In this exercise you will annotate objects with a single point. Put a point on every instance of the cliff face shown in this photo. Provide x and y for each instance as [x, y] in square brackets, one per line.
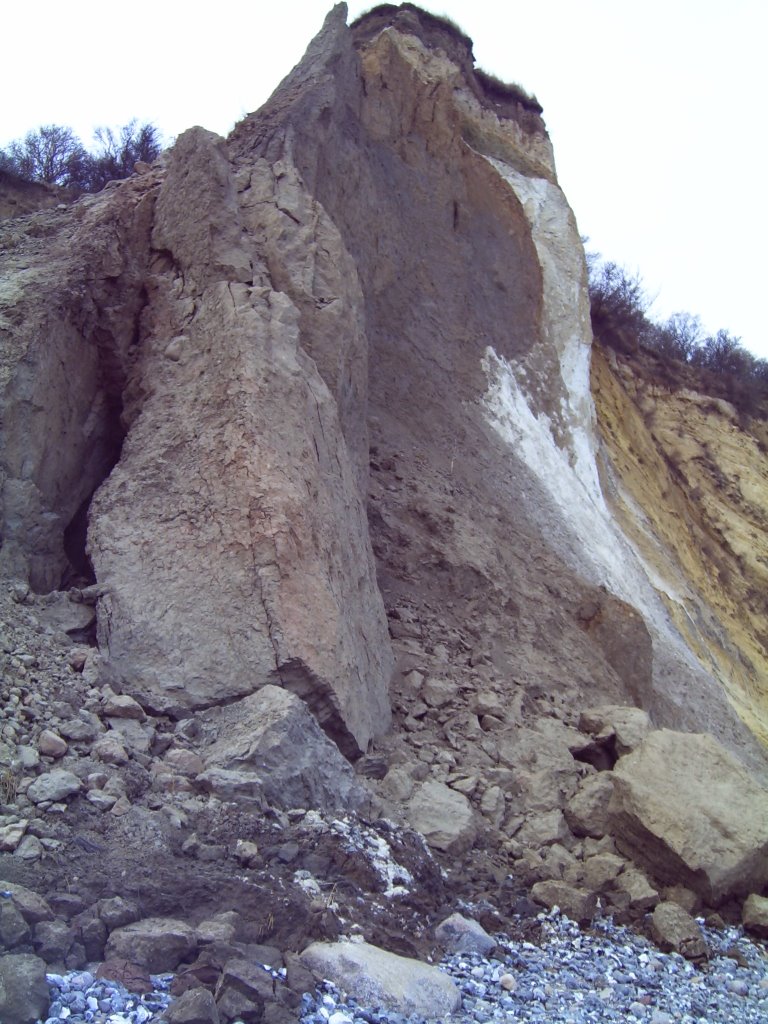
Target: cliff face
[687, 479]
[321, 395]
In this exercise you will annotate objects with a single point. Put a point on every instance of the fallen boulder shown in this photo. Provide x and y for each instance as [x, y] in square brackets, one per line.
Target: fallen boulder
[375, 977]
[23, 989]
[459, 934]
[272, 735]
[687, 811]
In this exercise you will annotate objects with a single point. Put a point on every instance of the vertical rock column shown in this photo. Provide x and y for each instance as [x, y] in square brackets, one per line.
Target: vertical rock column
[231, 537]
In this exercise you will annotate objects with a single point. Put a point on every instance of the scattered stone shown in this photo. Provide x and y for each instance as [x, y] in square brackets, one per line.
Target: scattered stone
[83, 729]
[599, 873]
[50, 744]
[247, 853]
[443, 816]
[11, 835]
[195, 1006]
[29, 757]
[575, 903]
[14, 930]
[221, 928]
[635, 886]
[673, 928]
[242, 991]
[121, 705]
[54, 786]
[755, 915]
[110, 749]
[117, 912]
[30, 848]
[52, 940]
[186, 762]
[459, 934]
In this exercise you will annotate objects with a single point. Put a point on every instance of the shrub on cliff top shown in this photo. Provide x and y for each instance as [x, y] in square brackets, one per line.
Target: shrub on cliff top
[621, 318]
[54, 154]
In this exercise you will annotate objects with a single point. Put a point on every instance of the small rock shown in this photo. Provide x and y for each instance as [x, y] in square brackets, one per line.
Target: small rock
[104, 801]
[30, 848]
[195, 1006]
[755, 915]
[575, 903]
[246, 853]
[83, 729]
[674, 929]
[121, 806]
[110, 750]
[14, 930]
[11, 835]
[459, 934]
[508, 983]
[54, 786]
[121, 705]
[117, 912]
[52, 940]
[186, 762]
[50, 744]
[29, 757]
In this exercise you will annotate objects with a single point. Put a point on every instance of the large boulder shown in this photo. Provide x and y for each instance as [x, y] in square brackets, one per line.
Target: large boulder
[157, 943]
[270, 736]
[686, 809]
[23, 989]
[375, 977]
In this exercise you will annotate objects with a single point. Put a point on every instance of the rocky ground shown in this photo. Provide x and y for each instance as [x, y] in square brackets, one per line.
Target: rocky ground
[122, 845]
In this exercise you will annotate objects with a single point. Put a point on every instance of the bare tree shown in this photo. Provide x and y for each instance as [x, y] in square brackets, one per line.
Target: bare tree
[47, 154]
[120, 150]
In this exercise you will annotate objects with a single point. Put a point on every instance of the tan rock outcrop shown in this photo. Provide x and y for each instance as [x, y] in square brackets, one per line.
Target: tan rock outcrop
[246, 507]
[683, 807]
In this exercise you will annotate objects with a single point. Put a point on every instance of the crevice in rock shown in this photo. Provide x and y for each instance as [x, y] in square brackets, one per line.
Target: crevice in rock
[600, 752]
[79, 572]
[295, 676]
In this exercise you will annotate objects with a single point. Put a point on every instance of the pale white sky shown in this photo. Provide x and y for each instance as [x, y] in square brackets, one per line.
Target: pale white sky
[656, 109]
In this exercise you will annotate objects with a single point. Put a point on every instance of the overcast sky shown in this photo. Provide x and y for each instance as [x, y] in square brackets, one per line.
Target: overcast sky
[656, 110]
